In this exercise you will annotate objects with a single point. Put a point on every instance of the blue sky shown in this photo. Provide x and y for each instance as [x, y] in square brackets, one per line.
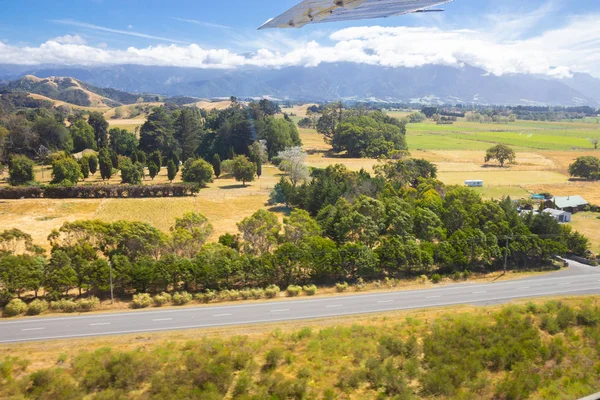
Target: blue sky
[209, 33]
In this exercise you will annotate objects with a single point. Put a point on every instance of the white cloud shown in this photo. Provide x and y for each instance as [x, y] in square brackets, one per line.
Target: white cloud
[70, 39]
[574, 46]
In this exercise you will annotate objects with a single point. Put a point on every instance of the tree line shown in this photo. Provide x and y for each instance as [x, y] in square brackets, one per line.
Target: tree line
[344, 226]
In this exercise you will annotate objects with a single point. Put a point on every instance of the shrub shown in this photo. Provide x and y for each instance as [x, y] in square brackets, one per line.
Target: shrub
[273, 358]
[457, 276]
[272, 291]
[423, 279]
[245, 294]
[182, 298]
[549, 324]
[15, 307]
[467, 274]
[162, 299]
[341, 287]
[141, 300]
[257, 293]
[37, 307]
[565, 317]
[436, 278]
[206, 297]
[390, 282]
[293, 290]
[310, 290]
[5, 297]
[89, 304]
[360, 285]
[229, 295]
[64, 305]
[588, 316]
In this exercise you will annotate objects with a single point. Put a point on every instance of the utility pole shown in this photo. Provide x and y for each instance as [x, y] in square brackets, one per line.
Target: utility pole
[112, 297]
[506, 255]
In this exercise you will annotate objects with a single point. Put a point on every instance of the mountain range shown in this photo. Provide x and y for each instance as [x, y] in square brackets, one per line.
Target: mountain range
[326, 82]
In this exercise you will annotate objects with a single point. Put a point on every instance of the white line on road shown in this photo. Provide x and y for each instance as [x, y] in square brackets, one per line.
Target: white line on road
[33, 329]
[386, 301]
[162, 319]
[100, 324]
[336, 305]
[480, 292]
[433, 297]
[521, 288]
[282, 310]
[222, 315]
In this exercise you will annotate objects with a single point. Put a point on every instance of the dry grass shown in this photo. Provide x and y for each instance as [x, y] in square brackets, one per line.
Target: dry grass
[588, 224]
[213, 105]
[46, 354]
[503, 177]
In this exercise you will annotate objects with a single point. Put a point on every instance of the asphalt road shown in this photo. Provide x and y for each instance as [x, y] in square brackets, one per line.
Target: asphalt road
[576, 280]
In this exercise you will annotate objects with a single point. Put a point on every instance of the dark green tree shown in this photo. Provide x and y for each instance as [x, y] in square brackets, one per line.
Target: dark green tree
[197, 171]
[100, 126]
[502, 153]
[83, 135]
[53, 134]
[171, 170]
[587, 167]
[216, 163]
[84, 166]
[65, 171]
[93, 163]
[20, 170]
[131, 173]
[152, 169]
[106, 166]
[258, 167]
[244, 170]
[156, 158]
[122, 142]
[188, 131]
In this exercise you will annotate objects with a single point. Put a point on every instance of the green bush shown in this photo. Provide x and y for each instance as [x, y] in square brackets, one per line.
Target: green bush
[272, 291]
[88, 304]
[341, 287]
[5, 297]
[64, 305]
[229, 295]
[245, 294]
[467, 274]
[549, 324]
[141, 300]
[436, 278]
[310, 290]
[206, 297]
[162, 299]
[293, 290]
[182, 298]
[273, 358]
[423, 279]
[565, 317]
[37, 307]
[15, 307]
[360, 285]
[588, 316]
[257, 293]
[457, 276]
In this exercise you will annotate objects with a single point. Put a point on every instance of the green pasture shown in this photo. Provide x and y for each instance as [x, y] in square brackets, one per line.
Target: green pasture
[537, 135]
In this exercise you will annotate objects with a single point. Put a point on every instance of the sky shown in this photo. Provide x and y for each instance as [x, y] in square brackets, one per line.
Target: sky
[546, 37]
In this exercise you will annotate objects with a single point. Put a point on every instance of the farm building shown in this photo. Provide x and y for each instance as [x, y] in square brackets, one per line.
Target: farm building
[561, 216]
[474, 183]
[570, 204]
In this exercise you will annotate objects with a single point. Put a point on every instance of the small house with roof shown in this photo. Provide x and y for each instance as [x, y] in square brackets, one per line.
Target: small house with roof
[571, 204]
[562, 217]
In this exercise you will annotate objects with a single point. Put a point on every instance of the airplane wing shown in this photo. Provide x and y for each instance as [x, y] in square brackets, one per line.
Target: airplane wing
[318, 11]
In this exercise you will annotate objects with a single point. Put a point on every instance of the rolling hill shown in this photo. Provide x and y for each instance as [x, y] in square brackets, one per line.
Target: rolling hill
[71, 91]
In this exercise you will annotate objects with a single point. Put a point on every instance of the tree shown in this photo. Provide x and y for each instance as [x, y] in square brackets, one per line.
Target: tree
[293, 162]
[65, 171]
[278, 133]
[587, 167]
[123, 142]
[20, 170]
[131, 173]
[83, 136]
[53, 134]
[258, 167]
[93, 163]
[595, 142]
[299, 227]
[190, 233]
[171, 170]
[502, 153]
[106, 166]
[260, 231]
[156, 158]
[197, 171]
[152, 169]
[216, 164]
[84, 166]
[244, 170]
[157, 133]
[100, 126]
[188, 131]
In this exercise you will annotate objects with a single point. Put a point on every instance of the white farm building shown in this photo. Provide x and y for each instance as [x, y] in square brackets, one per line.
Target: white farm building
[474, 183]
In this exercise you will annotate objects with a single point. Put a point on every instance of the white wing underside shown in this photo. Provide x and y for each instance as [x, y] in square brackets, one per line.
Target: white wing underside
[318, 11]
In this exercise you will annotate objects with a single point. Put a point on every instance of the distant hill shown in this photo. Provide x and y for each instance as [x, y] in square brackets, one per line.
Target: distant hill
[70, 90]
[326, 82]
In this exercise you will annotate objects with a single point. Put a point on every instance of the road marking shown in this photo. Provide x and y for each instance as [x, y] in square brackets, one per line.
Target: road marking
[433, 297]
[100, 324]
[336, 305]
[259, 321]
[386, 301]
[282, 310]
[222, 315]
[563, 284]
[520, 288]
[33, 329]
[162, 319]
[480, 292]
